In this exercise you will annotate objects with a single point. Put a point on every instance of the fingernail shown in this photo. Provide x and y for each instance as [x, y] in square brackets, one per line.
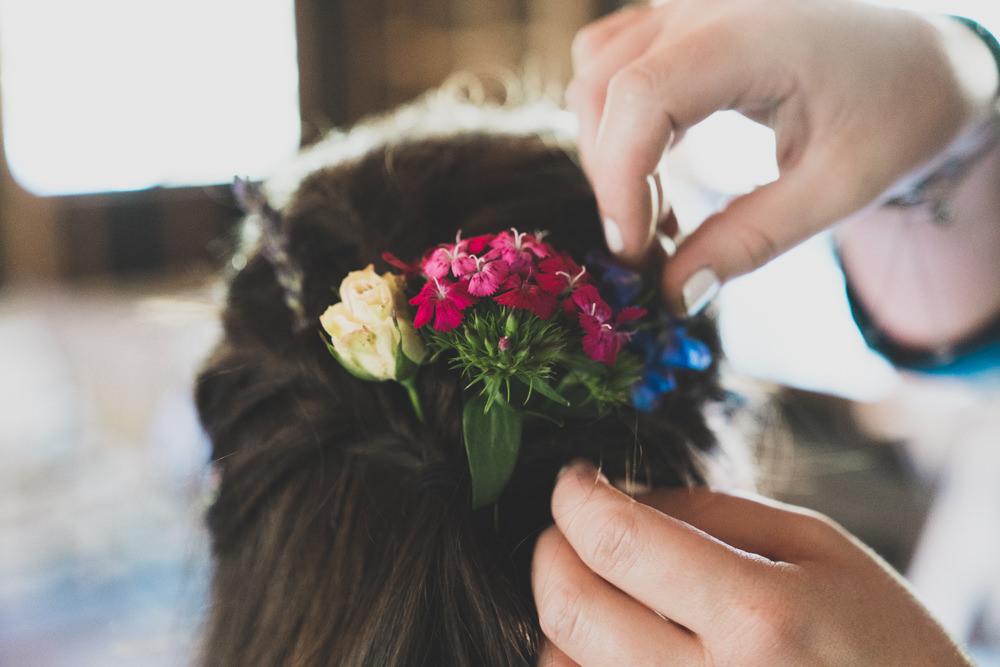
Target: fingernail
[613, 235]
[699, 290]
[668, 244]
[572, 465]
[583, 469]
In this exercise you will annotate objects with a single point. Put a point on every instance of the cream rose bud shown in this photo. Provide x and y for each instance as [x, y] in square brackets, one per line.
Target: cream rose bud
[366, 349]
[369, 297]
[371, 324]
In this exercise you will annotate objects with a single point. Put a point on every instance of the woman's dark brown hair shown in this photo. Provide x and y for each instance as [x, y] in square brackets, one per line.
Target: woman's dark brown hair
[342, 531]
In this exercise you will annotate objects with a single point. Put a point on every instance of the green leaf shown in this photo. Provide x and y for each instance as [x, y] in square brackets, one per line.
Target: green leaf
[581, 364]
[414, 396]
[546, 390]
[549, 418]
[510, 324]
[406, 368]
[492, 440]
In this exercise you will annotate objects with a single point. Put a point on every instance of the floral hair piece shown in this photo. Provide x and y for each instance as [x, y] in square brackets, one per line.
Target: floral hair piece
[535, 335]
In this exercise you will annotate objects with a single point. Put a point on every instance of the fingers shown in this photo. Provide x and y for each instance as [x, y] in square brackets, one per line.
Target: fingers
[759, 525]
[648, 102]
[595, 624]
[750, 232]
[592, 38]
[668, 565]
[586, 93]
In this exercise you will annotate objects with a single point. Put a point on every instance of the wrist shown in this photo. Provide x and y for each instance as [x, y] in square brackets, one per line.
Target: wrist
[969, 97]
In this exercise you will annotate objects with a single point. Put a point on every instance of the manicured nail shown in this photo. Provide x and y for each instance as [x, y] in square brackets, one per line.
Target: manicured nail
[699, 290]
[584, 469]
[572, 465]
[668, 244]
[613, 235]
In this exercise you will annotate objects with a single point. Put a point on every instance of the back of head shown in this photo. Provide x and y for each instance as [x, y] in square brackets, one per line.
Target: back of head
[342, 530]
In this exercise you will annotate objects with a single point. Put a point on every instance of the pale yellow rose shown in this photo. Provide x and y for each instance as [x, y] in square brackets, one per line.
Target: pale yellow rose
[368, 296]
[366, 349]
[371, 324]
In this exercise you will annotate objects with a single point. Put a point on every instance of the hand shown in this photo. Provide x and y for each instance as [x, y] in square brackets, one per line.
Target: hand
[858, 95]
[694, 577]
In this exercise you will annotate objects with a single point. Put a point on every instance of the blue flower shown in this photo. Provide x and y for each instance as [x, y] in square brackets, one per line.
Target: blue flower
[664, 351]
[619, 285]
[686, 352]
[664, 344]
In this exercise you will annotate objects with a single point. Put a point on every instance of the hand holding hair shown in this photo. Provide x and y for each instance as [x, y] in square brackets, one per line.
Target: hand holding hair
[696, 577]
[858, 95]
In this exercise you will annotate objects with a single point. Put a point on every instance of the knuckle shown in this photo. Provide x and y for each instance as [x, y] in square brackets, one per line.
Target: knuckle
[757, 245]
[560, 613]
[635, 82]
[590, 39]
[586, 43]
[820, 529]
[615, 543]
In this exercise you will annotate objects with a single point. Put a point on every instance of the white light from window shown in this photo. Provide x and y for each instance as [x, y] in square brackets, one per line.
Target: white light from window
[109, 95]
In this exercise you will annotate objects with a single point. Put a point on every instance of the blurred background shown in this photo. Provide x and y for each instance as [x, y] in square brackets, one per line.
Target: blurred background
[123, 121]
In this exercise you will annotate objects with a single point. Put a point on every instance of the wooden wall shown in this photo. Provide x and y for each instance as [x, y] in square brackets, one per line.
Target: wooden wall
[355, 58]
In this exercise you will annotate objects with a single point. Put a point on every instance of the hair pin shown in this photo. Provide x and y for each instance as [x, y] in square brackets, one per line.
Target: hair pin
[274, 245]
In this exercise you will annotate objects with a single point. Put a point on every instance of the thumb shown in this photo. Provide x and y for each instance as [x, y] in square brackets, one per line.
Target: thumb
[750, 232]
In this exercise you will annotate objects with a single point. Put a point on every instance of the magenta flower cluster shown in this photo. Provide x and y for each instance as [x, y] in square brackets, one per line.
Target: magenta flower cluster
[519, 271]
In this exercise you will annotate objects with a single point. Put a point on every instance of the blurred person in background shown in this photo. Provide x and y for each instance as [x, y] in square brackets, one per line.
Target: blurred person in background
[886, 122]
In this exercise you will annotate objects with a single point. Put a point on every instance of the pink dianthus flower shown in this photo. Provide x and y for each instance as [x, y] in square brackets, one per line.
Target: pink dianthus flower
[443, 301]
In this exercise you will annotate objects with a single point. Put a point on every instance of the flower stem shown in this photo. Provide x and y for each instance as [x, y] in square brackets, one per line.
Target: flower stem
[411, 391]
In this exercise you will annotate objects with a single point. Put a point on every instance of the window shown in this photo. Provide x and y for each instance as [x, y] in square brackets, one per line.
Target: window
[109, 95]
